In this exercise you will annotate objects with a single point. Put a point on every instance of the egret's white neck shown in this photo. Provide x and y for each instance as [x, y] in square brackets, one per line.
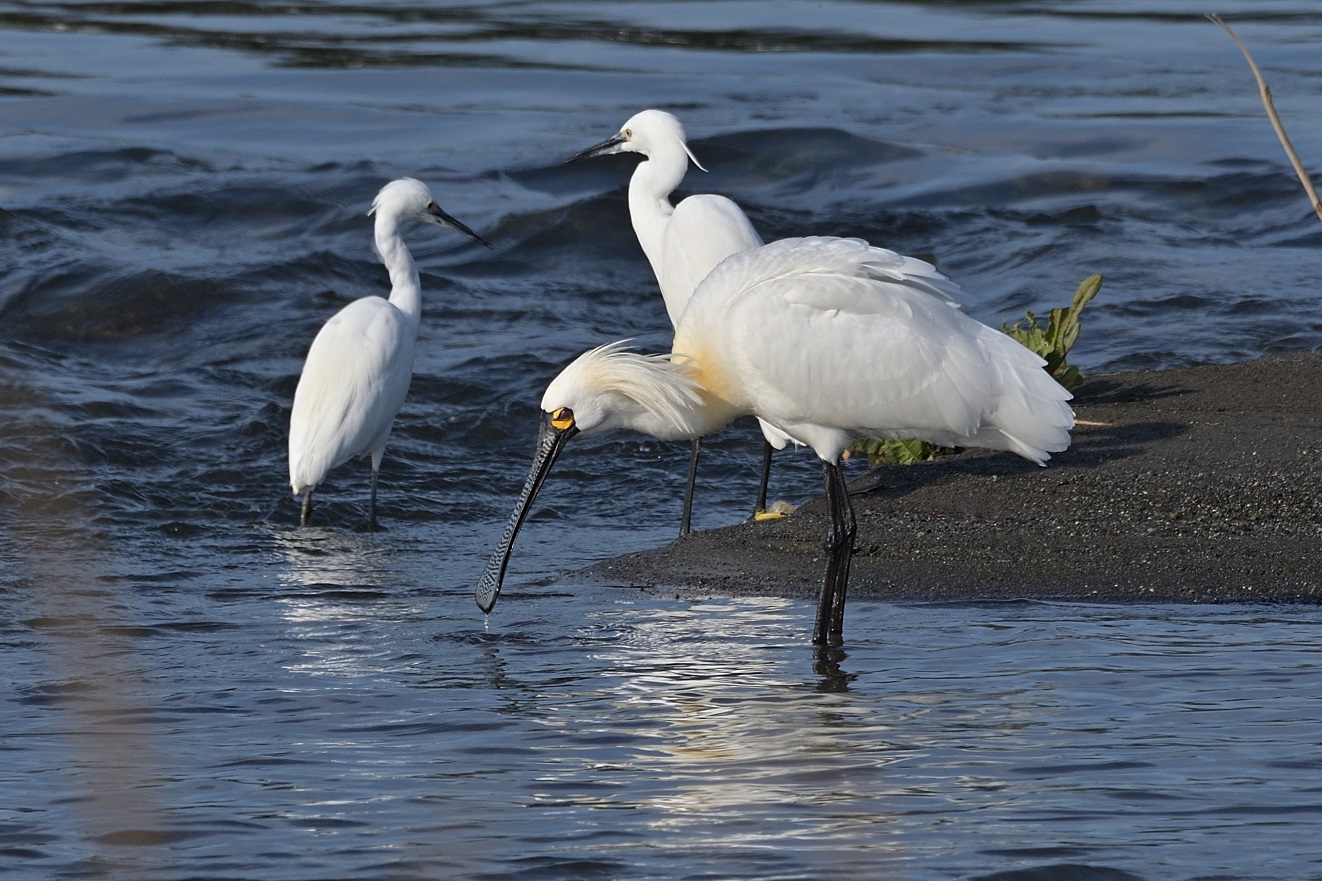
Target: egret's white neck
[405, 286]
[649, 199]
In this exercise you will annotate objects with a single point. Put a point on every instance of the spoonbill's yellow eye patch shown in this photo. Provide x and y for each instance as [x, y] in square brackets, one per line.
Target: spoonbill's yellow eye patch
[562, 418]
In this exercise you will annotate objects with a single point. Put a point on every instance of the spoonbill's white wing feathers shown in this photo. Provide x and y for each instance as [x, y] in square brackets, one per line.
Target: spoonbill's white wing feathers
[741, 274]
[868, 371]
[833, 339]
[702, 232]
[355, 380]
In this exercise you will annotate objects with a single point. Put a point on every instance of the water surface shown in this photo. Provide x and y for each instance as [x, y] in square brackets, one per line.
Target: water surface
[201, 689]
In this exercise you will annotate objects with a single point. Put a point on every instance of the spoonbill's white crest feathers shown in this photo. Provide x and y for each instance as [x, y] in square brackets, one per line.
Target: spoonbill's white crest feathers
[611, 387]
[826, 340]
[685, 242]
[358, 369]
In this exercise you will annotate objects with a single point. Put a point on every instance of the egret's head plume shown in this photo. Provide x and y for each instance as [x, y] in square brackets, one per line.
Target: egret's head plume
[653, 130]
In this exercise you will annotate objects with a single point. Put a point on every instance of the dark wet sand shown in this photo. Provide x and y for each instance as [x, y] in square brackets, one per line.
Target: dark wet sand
[1192, 485]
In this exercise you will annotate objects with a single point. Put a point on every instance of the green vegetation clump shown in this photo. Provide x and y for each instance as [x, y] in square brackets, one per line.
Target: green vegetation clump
[1051, 343]
[897, 452]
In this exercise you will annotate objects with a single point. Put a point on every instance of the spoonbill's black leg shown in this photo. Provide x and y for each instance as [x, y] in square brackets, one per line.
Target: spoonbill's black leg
[840, 550]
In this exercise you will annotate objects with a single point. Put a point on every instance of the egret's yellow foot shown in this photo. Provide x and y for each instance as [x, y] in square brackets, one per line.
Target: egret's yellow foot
[777, 510]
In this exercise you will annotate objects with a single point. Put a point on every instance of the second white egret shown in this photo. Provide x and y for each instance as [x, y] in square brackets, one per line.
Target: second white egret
[827, 340]
[359, 367]
[683, 242]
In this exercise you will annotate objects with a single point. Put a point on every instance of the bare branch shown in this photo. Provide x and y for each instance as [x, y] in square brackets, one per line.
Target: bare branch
[1266, 94]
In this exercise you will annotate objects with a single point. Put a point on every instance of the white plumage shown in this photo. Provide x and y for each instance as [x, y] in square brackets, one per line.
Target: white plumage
[358, 369]
[832, 339]
[683, 242]
[353, 384]
[826, 340]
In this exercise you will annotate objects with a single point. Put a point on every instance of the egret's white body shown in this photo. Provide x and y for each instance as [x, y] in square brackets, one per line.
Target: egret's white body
[826, 340]
[683, 242]
[358, 369]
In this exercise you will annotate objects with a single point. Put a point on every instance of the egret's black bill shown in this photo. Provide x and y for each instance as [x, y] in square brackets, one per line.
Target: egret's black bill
[550, 441]
[439, 216]
[606, 147]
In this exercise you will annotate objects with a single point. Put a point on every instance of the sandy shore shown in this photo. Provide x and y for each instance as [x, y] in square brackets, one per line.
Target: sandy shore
[1191, 485]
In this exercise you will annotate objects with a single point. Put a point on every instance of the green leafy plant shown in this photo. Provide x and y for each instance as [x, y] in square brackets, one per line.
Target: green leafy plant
[896, 452]
[1052, 343]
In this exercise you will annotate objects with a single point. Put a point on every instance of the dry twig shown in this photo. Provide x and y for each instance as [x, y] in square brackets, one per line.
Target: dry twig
[1266, 94]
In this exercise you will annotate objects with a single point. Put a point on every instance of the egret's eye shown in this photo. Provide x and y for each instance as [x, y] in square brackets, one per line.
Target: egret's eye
[431, 206]
[628, 133]
[562, 418]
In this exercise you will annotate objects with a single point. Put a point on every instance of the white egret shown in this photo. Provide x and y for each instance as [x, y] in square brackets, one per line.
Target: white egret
[683, 242]
[359, 366]
[827, 340]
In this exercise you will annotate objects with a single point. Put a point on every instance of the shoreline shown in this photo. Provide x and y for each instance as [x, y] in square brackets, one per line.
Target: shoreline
[1188, 485]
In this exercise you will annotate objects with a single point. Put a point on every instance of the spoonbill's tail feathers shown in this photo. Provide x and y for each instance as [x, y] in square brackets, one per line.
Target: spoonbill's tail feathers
[1031, 413]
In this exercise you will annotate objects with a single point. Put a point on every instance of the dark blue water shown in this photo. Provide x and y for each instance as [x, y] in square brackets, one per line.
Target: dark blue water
[199, 689]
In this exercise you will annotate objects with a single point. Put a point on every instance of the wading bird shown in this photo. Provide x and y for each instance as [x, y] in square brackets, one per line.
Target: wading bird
[827, 340]
[683, 243]
[359, 366]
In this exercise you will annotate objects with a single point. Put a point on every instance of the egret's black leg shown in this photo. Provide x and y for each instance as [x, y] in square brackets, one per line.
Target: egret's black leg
[767, 450]
[371, 505]
[306, 511]
[840, 550]
[685, 519]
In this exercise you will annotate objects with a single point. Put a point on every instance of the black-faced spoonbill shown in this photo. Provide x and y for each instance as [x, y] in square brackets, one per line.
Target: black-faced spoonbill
[827, 340]
[359, 366]
[683, 242]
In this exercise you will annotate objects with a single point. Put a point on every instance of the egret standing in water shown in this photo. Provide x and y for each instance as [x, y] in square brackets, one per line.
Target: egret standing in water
[683, 242]
[827, 340]
[359, 366]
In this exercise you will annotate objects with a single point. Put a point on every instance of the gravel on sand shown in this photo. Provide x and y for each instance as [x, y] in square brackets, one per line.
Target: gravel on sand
[1197, 484]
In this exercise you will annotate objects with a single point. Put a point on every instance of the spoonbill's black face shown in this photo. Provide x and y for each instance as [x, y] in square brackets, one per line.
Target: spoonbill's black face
[557, 428]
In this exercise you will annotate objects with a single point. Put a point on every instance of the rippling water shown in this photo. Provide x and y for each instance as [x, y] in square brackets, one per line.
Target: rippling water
[200, 689]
